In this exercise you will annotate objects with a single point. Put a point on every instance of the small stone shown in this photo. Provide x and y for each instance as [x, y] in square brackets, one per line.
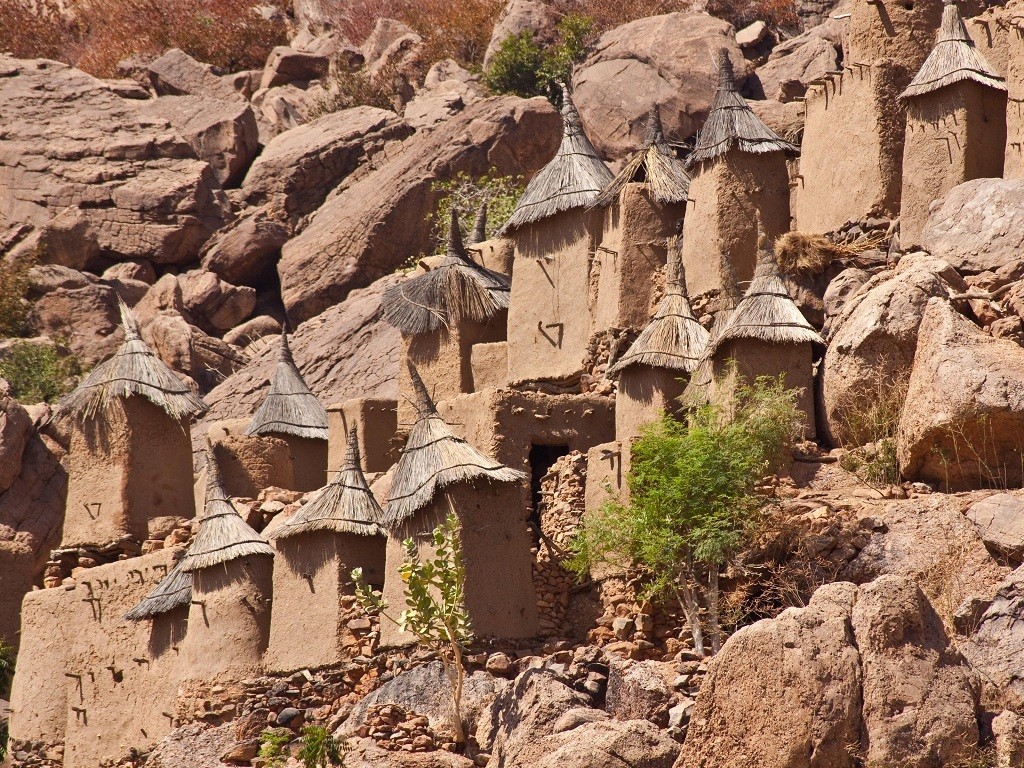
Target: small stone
[360, 625]
[288, 716]
[623, 628]
[499, 664]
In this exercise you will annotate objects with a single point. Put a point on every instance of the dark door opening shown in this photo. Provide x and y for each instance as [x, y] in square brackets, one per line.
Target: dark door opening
[541, 459]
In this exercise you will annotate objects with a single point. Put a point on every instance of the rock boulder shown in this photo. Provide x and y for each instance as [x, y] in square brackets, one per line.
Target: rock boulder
[86, 319]
[1000, 521]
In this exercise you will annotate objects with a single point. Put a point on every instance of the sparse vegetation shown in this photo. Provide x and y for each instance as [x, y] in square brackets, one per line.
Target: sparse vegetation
[274, 747]
[38, 373]
[14, 306]
[353, 89]
[319, 748]
[467, 194]
[871, 429]
[693, 499]
[435, 610]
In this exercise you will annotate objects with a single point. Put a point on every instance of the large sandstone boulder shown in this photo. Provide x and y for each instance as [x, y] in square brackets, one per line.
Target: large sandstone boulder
[875, 338]
[245, 252]
[1000, 521]
[215, 305]
[378, 222]
[15, 427]
[630, 744]
[70, 141]
[86, 319]
[796, 62]
[783, 693]
[520, 16]
[963, 422]
[666, 60]
[996, 644]
[300, 167]
[175, 73]
[978, 225]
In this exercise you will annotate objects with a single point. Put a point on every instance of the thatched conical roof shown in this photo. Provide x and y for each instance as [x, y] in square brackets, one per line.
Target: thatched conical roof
[435, 458]
[573, 178]
[132, 370]
[954, 58]
[655, 164]
[731, 123]
[346, 505]
[698, 387]
[673, 339]
[458, 288]
[173, 591]
[479, 233]
[289, 407]
[223, 535]
[766, 312]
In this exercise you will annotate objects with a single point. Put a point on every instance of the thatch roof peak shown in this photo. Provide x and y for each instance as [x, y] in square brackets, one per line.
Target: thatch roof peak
[132, 370]
[954, 58]
[289, 408]
[223, 535]
[479, 233]
[173, 591]
[673, 339]
[655, 164]
[433, 459]
[457, 289]
[345, 505]
[573, 178]
[731, 123]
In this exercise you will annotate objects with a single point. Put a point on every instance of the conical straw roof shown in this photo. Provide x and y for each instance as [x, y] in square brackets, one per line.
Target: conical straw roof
[458, 288]
[132, 370]
[289, 407]
[435, 458]
[346, 505]
[573, 178]
[731, 123]
[173, 591]
[655, 164]
[699, 387]
[673, 339]
[953, 59]
[223, 534]
[479, 233]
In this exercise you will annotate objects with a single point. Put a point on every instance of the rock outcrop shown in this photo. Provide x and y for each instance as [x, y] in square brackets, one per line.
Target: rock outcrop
[996, 642]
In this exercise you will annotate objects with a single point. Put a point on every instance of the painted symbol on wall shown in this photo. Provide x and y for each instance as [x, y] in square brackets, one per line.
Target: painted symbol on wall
[92, 508]
[556, 338]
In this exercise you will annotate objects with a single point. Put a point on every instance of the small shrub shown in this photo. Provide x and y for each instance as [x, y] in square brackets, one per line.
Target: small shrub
[319, 748]
[352, 89]
[467, 194]
[870, 429]
[37, 373]
[459, 30]
[14, 306]
[274, 746]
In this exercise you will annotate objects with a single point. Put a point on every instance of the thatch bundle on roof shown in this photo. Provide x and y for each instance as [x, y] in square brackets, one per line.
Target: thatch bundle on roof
[953, 59]
[654, 164]
[673, 339]
[132, 370]
[289, 408]
[433, 459]
[223, 535]
[479, 231]
[346, 505]
[456, 289]
[173, 591]
[731, 123]
[573, 178]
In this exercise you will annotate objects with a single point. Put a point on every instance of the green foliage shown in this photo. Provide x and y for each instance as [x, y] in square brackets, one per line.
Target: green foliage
[274, 746]
[435, 609]
[467, 194]
[693, 498]
[38, 372]
[6, 668]
[319, 748]
[14, 304]
[523, 67]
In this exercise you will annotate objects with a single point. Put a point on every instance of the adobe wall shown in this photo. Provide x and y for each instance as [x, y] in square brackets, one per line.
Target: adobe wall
[17, 564]
[128, 465]
[851, 156]
[94, 681]
[229, 620]
[548, 317]
[376, 422]
[720, 228]
[490, 365]
[309, 462]
[633, 249]
[643, 394]
[444, 360]
[607, 469]
[248, 463]
[902, 31]
[955, 134]
[499, 592]
[1013, 166]
[496, 254]
[313, 589]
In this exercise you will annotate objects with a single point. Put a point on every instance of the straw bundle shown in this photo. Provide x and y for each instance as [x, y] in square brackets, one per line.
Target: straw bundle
[731, 123]
[673, 339]
[457, 289]
[173, 591]
[953, 59]
[223, 534]
[573, 178]
[289, 407]
[346, 505]
[435, 458]
[132, 370]
[807, 254]
[656, 165]
[479, 233]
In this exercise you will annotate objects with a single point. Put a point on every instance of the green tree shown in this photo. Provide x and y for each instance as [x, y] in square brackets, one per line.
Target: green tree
[37, 372]
[319, 748]
[693, 499]
[274, 746]
[467, 194]
[435, 611]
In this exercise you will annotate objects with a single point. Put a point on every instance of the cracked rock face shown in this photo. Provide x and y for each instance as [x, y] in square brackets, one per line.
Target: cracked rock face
[71, 143]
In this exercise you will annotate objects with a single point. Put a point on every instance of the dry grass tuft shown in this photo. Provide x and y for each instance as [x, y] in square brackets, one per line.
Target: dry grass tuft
[806, 254]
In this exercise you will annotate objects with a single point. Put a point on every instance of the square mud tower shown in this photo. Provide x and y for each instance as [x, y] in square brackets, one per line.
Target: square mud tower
[376, 423]
[131, 455]
[739, 174]
[852, 150]
[1013, 166]
[248, 463]
[956, 124]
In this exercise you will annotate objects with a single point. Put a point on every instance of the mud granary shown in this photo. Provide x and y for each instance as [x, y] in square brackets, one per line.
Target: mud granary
[568, 330]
